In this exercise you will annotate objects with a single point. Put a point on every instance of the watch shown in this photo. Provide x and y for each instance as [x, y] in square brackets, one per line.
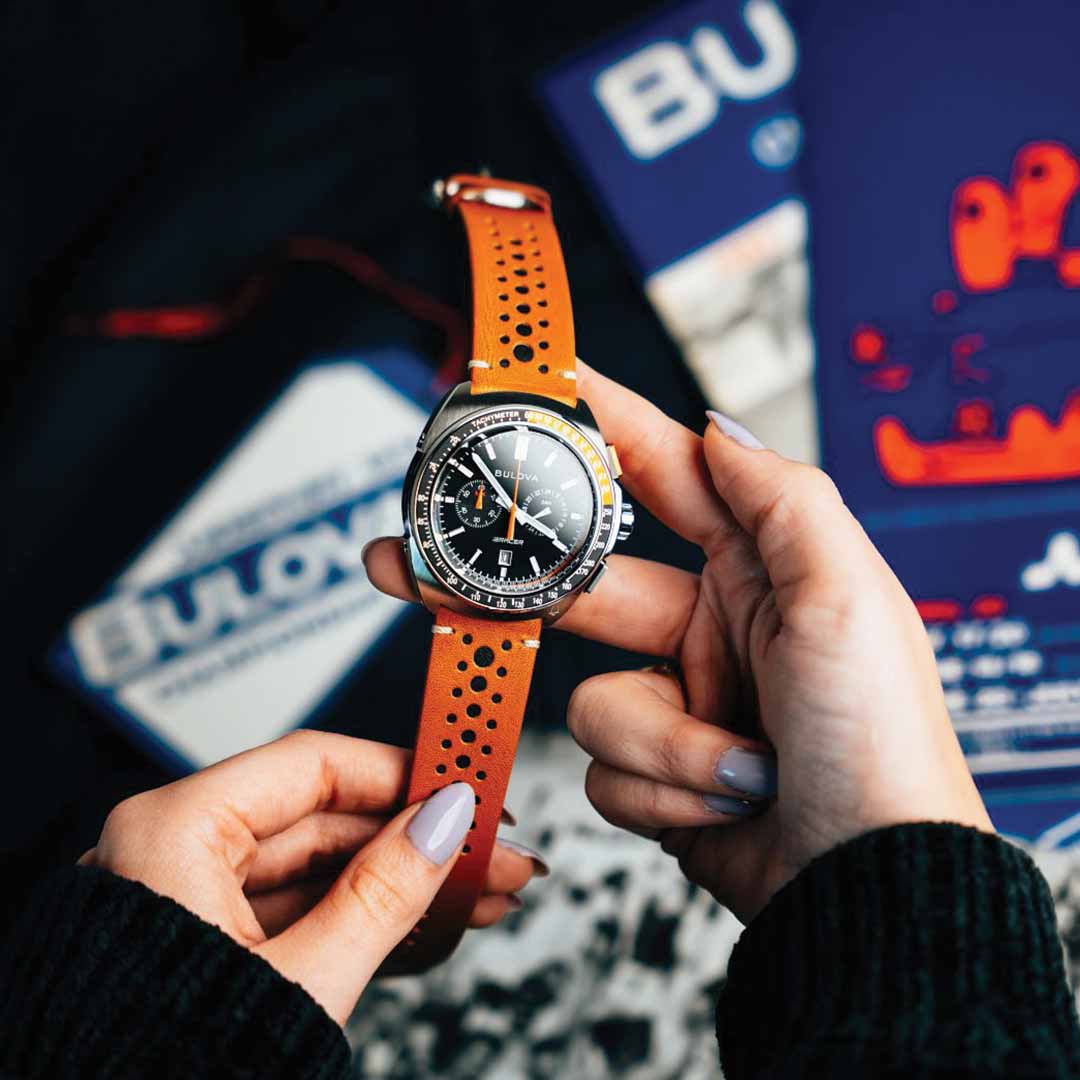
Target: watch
[511, 505]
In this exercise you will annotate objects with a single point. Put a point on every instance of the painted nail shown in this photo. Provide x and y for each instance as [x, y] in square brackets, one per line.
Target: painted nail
[725, 804]
[442, 822]
[542, 868]
[506, 817]
[748, 772]
[515, 902]
[735, 430]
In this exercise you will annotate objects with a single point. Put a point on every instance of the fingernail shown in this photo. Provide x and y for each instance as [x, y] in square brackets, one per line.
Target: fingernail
[515, 901]
[735, 430]
[747, 771]
[542, 868]
[442, 822]
[726, 804]
[507, 818]
[367, 547]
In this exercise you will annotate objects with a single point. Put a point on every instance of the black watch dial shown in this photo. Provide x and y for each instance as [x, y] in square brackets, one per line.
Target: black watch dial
[511, 509]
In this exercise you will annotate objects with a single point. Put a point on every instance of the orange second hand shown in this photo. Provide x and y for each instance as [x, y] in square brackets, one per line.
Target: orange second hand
[513, 505]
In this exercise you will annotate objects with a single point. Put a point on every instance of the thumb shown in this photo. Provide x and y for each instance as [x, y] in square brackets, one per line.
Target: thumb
[334, 950]
[799, 523]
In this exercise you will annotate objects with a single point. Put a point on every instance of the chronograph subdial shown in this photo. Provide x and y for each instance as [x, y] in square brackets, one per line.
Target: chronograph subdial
[549, 506]
[476, 505]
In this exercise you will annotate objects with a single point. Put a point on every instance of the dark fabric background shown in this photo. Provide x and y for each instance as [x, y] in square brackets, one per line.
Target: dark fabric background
[156, 154]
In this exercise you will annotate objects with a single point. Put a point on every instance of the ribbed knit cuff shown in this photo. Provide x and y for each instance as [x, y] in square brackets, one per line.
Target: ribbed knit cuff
[104, 977]
[912, 951]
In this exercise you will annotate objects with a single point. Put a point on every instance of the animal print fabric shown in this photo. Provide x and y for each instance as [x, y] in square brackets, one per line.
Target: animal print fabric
[611, 969]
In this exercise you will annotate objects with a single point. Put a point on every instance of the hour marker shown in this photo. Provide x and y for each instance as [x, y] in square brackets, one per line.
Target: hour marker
[534, 564]
[448, 498]
[456, 532]
[506, 556]
[542, 513]
[503, 571]
[550, 458]
[461, 469]
[575, 517]
[488, 449]
[558, 543]
[568, 483]
[521, 448]
[475, 556]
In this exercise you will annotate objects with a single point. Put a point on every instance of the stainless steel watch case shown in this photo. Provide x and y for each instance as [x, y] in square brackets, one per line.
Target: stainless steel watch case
[455, 410]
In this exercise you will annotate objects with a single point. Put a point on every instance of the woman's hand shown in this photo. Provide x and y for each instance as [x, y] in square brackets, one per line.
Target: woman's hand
[796, 634]
[292, 851]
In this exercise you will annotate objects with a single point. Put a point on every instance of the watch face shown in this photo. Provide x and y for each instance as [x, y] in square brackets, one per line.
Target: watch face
[513, 514]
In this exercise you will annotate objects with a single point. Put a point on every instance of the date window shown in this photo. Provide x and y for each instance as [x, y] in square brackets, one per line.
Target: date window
[505, 555]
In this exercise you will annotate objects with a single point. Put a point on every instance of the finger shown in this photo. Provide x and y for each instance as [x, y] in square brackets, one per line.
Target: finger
[87, 858]
[646, 806]
[278, 909]
[380, 896]
[800, 525]
[512, 867]
[270, 788]
[631, 721]
[321, 844]
[490, 909]
[613, 615]
[388, 568]
[510, 871]
[738, 866]
[315, 846]
[663, 462]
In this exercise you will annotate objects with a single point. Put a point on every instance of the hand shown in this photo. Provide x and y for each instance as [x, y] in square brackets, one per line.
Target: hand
[796, 631]
[292, 851]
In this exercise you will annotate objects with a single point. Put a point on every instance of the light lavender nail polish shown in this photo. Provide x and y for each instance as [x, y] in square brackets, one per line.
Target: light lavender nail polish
[748, 772]
[726, 804]
[442, 822]
[735, 430]
[542, 868]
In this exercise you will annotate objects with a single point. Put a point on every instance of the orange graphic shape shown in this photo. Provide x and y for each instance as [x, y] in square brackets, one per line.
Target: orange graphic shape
[990, 228]
[981, 227]
[1068, 268]
[1032, 450]
[1045, 177]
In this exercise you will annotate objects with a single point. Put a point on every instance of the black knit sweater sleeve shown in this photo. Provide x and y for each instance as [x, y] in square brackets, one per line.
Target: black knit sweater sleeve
[103, 977]
[921, 951]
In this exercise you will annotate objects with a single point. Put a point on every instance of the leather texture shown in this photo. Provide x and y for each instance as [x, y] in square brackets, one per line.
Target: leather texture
[474, 702]
[523, 322]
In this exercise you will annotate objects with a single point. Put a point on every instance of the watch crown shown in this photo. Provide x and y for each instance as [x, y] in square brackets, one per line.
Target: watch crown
[626, 522]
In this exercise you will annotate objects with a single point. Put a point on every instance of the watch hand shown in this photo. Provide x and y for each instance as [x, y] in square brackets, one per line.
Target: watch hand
[513, 505]
[543, 530]
[543, 513]
[505, 499]
[479, 498]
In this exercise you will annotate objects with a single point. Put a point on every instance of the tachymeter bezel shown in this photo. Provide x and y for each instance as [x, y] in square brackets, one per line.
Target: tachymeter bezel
[583, 565]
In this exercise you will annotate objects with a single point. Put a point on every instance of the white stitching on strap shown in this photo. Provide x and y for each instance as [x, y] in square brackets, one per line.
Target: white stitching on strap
[437, 629]
[531, 643]
[569, 375]
[479, 363]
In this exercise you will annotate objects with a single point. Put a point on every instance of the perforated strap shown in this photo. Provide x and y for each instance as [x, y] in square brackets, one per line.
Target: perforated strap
[523, 322]
[477, 686]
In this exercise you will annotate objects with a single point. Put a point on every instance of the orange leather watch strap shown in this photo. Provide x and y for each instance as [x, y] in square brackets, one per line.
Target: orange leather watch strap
[474, 702]
[523, 322]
